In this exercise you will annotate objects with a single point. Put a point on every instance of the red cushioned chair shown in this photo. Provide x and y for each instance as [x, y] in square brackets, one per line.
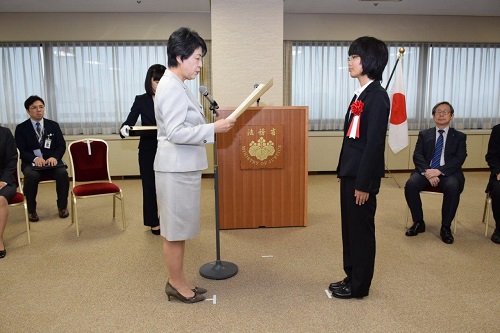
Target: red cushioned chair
[19, 198]
[91, 178]
[433, 191]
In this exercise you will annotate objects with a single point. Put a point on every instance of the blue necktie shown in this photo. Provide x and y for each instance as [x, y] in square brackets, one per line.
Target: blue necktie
[436, 160]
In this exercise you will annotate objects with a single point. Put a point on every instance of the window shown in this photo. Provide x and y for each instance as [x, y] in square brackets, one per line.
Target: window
[88, 87]
[465, 75]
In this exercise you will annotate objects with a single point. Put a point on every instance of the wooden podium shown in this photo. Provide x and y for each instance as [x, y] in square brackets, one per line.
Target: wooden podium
[262, 168]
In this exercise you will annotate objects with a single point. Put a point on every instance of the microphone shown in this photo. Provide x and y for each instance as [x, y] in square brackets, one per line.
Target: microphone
[255, 86]
[204, 92]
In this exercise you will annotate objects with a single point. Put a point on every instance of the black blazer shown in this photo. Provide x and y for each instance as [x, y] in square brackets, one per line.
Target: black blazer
[143, 106]
[27, 141]
[363, 158]
[8, 156]
[455, 152]
[493, 155]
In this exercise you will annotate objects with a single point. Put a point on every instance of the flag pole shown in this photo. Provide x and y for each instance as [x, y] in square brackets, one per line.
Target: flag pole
[400, 54]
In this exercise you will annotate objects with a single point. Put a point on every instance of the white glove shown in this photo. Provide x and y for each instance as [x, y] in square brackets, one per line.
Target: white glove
[124, 130]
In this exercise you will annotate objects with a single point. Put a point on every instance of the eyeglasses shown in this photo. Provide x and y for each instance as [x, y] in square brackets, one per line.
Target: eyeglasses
[443, 112]
[36, 107]
[352, 57]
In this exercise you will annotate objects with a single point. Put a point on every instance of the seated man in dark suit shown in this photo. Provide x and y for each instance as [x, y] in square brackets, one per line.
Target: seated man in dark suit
[493, 159]
[439, 154]
[41, 145]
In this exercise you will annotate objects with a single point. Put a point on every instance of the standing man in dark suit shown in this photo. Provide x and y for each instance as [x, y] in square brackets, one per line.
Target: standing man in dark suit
[493, 160]
[41, 144]
[361, 166]
[439, 154]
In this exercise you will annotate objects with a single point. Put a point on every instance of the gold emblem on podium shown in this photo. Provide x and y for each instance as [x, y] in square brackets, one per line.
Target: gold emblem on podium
[261, 147]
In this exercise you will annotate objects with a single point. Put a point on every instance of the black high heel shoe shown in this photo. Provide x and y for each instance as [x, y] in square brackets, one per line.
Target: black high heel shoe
[3, 253]
[155, 232]
[172, 292]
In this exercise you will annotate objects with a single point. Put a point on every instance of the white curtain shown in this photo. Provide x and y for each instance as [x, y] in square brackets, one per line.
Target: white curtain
[467, 76]
[22, 71]
[321, 81]
[88, 87]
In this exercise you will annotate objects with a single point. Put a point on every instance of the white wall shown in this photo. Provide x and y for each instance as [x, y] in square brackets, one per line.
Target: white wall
[158, 26]
[247, 48]
[411, 28]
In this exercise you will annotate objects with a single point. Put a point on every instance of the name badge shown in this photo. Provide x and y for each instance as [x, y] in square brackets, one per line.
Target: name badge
[47, 143]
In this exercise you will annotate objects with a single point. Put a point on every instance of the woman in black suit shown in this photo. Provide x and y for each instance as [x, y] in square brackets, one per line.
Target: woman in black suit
[8, 165]
[361, 165]
[144, 106]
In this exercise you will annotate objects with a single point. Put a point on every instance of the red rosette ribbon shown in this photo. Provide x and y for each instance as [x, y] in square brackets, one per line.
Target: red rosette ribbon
[356, 110]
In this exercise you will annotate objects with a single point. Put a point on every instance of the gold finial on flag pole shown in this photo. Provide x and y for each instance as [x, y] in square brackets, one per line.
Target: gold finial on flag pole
[401, 52]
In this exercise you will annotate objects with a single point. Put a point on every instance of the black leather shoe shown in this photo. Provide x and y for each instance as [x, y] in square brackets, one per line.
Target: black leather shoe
[415, 229]
[63, 213]
[495, 238]
[33, 217]
[338, 285]
[345, 293]
[446, 235]
[155, 231]
[3, 253]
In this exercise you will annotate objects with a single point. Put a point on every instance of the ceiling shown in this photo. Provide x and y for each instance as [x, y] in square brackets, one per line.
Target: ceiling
[404, 7]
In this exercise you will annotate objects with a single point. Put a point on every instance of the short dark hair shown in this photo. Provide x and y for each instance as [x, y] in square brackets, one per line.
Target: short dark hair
[183, 42]
[32, 99]
[155, 72]
[374, 56]
[441, 103]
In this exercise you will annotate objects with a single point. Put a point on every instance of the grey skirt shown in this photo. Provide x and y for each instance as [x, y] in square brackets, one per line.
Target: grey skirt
[178, 195]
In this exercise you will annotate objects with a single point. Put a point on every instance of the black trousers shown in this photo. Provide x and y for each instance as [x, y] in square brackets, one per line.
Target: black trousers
[495, 201]
[451, 190]
[149, 204]
[358, 237]
[33, 177]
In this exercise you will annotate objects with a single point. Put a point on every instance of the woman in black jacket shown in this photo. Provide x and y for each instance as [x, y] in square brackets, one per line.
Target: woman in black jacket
[8, 165]
[144, 106]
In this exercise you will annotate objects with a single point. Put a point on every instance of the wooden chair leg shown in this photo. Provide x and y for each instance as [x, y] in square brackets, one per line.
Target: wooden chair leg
[27, 222]
[123, 210]
[487, 208]
[407, 214]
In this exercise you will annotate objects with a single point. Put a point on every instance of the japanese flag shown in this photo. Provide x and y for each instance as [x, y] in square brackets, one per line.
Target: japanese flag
[398, 124]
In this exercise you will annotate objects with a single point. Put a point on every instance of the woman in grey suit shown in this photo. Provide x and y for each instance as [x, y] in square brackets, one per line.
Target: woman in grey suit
[181, 156]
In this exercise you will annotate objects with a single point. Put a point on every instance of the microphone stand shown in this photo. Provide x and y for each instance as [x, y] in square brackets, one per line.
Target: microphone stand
[217, 270]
